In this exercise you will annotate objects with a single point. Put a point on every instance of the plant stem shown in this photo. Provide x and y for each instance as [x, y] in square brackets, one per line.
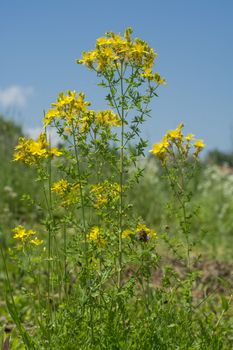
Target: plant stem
[65, 259]
[121, 183]
[81, 193]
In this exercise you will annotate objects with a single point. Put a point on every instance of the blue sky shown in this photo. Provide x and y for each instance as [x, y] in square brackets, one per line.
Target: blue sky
[40, 41]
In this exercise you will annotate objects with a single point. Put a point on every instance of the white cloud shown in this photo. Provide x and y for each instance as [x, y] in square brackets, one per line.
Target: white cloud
[15, 96]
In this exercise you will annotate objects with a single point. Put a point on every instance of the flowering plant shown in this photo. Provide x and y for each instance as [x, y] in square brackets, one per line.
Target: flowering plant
[96, 258]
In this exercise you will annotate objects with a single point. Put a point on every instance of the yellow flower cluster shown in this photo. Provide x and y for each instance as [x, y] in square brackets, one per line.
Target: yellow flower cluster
[107, 118]
[163, 150]
[96, 235]
[127, 233]
[23, 235]
[113, 50]
[60, 187]
[30, 151]
[142, 232]
[69, 193]
[73, 110]
[105, 193]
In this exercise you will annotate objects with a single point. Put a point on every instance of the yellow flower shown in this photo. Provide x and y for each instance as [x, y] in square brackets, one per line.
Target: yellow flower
[36, 150]
[127, 233]
[69, 193]
[105, 193]
[158, 79]
[55, 152]
[89, 58]
[31, 152]
[22, 234]
[68, 130]
[161, 149]
[95, 235]
[70, 108]
[199, 144]
[189, 137]
[139, 47]
[148, 73]
[50, 116]
[176, 134]
[142, 54]
[36, 241]
[113, 50]
[174, 141]
[107, 118]
[60, 187]
[85, 121]
[102, 41]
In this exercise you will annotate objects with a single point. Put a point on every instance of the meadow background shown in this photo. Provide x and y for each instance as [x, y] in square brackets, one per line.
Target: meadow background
[40, 43]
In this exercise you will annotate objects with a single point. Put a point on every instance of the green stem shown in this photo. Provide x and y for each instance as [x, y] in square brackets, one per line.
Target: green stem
[81, 192]
[183, 205]
[48, 256]
[179, 196]
[119, 279]
[143, 112]
[65, 259]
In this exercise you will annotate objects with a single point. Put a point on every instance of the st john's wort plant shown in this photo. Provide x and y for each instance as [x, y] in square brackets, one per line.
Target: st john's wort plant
[88, 266]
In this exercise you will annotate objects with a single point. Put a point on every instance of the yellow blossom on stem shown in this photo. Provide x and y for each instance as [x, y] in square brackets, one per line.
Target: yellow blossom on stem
[113, 50]
[173, 141]
[127, 233]
[71, 108]
[107, 118]
[60, 187]
[55, 152]
[23, 235]
[68, 192]
[50, 115]
[160, 149]
[148, 73]
[96, 235]
[105, 193]
[88, 59]
[189, 137]
[158, 79]
[36, 241]
[31, 152]
[176, 134]
[199, 144]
